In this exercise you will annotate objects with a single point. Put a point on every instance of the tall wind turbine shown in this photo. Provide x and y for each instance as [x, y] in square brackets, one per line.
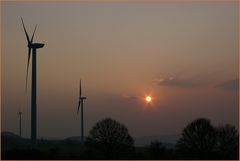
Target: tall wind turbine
[80, 104]
[33, 47]
[20, 123]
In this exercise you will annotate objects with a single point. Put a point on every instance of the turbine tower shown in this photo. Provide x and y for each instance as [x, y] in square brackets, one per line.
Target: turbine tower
[80, 103]
[33, 47]
[20, 123]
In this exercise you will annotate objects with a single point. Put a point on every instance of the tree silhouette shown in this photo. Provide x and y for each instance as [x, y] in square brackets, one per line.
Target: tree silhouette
[111, 138]
[227, 142]
[198, 140]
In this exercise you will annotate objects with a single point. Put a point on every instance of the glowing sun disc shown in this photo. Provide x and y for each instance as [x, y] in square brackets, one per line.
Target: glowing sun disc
[148, 99]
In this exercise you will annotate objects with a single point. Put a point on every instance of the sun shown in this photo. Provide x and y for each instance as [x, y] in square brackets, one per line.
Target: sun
[148, 99]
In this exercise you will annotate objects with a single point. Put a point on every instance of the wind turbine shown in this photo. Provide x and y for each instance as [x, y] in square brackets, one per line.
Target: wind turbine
[80, 103]
[33, 47]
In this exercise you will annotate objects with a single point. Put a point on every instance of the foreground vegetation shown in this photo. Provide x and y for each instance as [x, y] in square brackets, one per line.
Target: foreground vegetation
[109, 139]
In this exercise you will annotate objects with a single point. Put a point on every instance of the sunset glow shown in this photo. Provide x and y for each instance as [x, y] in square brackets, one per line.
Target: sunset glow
[153, 67]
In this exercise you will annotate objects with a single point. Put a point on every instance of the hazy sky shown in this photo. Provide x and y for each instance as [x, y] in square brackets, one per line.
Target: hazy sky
[185, 55]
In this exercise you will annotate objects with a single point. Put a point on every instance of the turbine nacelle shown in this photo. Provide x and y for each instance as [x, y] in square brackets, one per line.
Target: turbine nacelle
[36, 45]
[83, 98]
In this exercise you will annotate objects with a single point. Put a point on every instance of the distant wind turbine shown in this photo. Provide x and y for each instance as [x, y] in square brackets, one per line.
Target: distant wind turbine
[33, 47]
[80, 103]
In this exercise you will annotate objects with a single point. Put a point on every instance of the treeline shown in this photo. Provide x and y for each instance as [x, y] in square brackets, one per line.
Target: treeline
[109, 139]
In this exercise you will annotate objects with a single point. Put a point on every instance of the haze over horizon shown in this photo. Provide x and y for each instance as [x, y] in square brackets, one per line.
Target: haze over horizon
[185, 55]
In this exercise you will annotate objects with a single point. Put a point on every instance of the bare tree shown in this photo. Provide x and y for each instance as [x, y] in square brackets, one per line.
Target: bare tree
[111, 138]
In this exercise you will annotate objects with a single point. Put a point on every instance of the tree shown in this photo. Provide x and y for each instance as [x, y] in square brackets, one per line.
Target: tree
[111, 138]
[198, 140]
[227, 142]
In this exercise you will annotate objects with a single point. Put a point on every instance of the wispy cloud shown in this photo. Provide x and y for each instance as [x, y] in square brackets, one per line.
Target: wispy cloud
[229, 85]
[171, 81]
[130, 97]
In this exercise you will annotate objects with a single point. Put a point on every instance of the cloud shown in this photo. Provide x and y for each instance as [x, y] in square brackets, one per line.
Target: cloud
[171, 81]
[130, 97]
[229, 85]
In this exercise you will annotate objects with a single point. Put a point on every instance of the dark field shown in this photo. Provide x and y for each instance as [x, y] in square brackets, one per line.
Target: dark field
[19, 148]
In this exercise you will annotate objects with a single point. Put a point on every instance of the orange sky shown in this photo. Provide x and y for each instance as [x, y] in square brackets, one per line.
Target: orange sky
[184, 54]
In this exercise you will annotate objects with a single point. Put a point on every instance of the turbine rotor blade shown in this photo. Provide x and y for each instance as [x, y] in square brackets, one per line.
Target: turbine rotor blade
[25, 31]
[80, 89]
[29, 55]
[33, 34]
[79, 103]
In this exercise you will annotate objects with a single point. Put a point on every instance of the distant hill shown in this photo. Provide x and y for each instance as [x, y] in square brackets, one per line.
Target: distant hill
[74, 138]
[168, 141]
[11, 140]
[6, 133]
